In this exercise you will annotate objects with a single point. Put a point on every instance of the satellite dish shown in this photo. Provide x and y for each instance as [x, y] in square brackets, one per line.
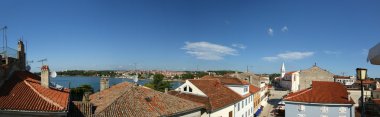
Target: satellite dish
[28, 67]
[135, 78]
[53, 74]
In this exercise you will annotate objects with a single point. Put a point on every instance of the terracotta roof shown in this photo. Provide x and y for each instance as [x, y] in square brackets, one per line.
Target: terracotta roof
[228, 80]
[321, 92]
[376, 101]
[253, 89]
[23, 92]
[218, 95]
[341, 77]
[366, 81]
[289, 73]
[124, 99]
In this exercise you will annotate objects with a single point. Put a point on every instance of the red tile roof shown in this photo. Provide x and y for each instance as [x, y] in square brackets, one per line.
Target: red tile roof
[218, 95]
[253, 89]
[321, 92]
[366, 81]
[290, 73]
[228, 80]
[125, 99]
[24, 92]
[341, 77]
[376, 101]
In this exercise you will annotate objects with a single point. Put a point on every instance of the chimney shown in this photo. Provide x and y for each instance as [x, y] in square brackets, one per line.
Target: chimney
[86, 97]
[349, 96]
[45, 76]
[166, 90]
[104, 83]
[21, 55]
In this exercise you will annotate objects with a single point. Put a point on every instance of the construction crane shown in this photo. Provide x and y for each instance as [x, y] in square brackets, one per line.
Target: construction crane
[42, 61]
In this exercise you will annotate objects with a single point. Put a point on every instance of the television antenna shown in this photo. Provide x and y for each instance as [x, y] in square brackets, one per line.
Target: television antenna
[42, 61]
[4, 29]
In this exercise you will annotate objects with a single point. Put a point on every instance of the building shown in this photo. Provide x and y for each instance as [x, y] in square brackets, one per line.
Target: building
[291, 81]
[128, 100]
[347, 81]
[25, 94]
[252, 78]
[314, 73]
[323, 99]
[223, 96]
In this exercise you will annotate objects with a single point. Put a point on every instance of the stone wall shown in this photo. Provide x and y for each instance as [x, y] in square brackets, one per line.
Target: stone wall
[314, 73]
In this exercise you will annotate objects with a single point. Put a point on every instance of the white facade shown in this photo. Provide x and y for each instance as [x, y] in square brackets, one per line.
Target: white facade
[346, 81]
[188, 87]
[240, 89]
[242, 108]
[291, 81]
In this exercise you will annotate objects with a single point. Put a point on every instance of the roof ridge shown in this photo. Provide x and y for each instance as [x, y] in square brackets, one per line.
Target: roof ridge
[42, 96]
[124, 92]
[307, 90]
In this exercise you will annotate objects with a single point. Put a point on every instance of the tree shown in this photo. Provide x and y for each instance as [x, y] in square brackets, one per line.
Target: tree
[158, 83]
[77, 93]
[274, 75]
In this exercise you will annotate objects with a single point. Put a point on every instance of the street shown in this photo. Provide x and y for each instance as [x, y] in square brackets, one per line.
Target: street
[273, 100]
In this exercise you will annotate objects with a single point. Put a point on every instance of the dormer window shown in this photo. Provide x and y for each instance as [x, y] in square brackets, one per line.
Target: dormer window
[185, 89]
[190, 89]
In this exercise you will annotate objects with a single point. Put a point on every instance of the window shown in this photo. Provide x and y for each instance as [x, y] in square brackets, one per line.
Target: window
[185, 89]
[324, 109]
[238, 105]
[301, 107]
[230, 114]
[190, 89]
[301, 115]
[242, 104]
[246, 100]
[342, 110]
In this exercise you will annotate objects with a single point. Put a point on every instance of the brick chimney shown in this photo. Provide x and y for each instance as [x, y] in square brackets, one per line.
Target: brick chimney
[104, 83]
[45, 76]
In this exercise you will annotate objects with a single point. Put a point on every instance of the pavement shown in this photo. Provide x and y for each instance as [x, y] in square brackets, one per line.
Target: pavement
[269, 109]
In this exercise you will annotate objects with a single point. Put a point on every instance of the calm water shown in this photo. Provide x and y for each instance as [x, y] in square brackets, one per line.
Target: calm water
[76, 81]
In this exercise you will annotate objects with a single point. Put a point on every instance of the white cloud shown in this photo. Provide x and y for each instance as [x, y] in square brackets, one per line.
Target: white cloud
[331, 52]
[284, 29]
[270, 32]
[289, 56]
[241, 46]
[208, 51]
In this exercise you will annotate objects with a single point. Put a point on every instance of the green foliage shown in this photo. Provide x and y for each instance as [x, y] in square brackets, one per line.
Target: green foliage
[274, 75]
[223, 72]
[187, 75]
[158, 83]
[77, 93]
[87, 73]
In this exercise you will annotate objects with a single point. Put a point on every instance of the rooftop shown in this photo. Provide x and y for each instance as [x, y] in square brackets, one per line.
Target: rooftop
[125, 99]
[218, 95]
[25, 89]
[321, 92]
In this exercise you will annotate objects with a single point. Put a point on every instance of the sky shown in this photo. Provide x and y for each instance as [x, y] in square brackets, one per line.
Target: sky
[195, 34]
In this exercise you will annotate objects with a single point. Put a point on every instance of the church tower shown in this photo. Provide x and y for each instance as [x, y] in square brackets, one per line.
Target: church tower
[21, 55]
[283, 70]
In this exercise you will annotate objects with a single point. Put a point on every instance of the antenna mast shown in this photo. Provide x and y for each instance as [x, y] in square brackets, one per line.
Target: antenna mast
[42, 61]
[5, 45]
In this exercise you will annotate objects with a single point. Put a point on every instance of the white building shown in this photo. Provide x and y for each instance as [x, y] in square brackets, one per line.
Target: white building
[223, 97]
[290, 80]
[345, 80]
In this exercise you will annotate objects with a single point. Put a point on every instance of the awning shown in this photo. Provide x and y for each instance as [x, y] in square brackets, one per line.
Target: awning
[258, 111]
[374, 55]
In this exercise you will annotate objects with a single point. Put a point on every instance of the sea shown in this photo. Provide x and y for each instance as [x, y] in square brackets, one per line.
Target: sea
[76, 81]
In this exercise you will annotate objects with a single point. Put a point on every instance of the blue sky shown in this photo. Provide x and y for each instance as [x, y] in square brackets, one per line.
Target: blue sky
[184, 35]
